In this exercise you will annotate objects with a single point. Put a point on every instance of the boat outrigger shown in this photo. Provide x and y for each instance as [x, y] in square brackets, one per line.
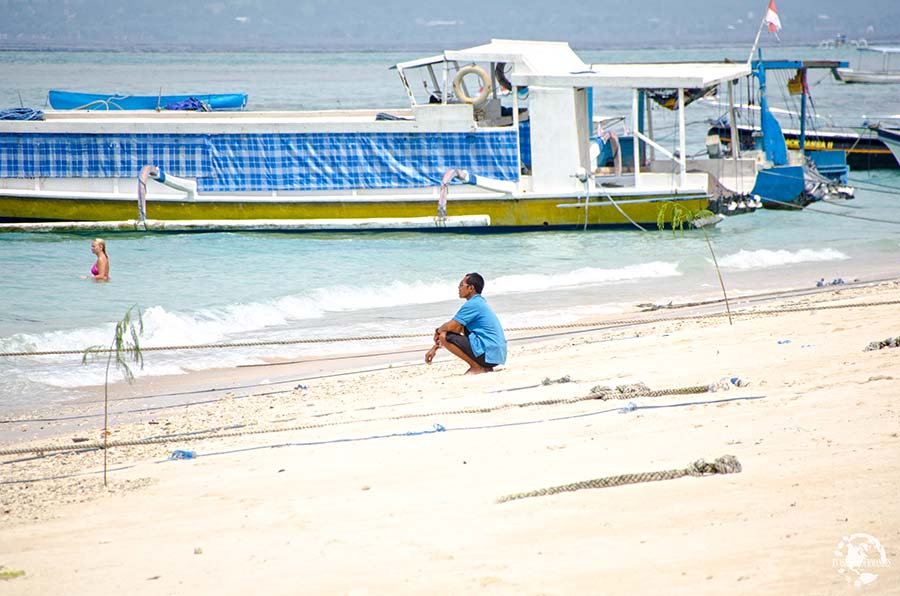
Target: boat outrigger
[512, 121]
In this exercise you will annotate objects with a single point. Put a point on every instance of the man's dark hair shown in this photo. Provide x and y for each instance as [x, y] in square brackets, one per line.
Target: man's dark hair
[475, 280]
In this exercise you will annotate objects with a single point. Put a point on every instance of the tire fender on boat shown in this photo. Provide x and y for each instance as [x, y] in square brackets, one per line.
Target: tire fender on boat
[499, 72]
[482, 96]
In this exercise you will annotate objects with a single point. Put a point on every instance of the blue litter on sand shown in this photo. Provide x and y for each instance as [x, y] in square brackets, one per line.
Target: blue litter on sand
[631, 407]
[835, 282]
[784, 341]
[182, 454]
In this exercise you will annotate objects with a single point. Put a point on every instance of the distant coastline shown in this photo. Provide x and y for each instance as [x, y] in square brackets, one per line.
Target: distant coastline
[362, 48]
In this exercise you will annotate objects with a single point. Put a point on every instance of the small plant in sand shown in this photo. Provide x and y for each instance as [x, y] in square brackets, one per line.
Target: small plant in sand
[126, 347]
[682, 216]
[6, 574]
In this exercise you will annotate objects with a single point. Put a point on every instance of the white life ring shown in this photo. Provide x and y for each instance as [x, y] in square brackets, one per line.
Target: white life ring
[482, 96]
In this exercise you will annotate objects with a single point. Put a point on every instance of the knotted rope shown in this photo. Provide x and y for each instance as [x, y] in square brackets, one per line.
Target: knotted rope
[727, 464]
[632, 390]
[891, 342]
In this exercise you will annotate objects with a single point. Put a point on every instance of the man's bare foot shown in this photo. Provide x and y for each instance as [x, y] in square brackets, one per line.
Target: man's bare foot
[477, 370]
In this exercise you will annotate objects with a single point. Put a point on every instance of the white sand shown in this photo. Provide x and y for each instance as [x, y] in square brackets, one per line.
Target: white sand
[359, 507]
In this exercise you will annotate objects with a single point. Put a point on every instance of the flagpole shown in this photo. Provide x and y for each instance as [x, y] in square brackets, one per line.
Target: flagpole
[756, 41]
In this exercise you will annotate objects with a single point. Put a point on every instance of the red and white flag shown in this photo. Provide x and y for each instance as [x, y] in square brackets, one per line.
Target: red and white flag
[772, 19]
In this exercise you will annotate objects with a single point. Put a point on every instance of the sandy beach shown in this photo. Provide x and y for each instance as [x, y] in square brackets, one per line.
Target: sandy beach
[384, 475]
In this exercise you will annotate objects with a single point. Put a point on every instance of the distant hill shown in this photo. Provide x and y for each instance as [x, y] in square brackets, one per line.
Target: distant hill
[416, 24]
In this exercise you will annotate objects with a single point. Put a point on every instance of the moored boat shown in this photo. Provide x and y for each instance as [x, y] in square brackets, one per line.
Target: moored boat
[786, 177]
[862, 147]
[876, 65]
[510, 118]
[72, 100]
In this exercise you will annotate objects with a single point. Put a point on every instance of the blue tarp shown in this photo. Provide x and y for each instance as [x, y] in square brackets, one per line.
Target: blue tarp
[265, 162]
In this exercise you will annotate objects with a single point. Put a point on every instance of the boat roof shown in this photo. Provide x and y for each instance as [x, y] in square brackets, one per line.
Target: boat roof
[525, 56]
[555, 64]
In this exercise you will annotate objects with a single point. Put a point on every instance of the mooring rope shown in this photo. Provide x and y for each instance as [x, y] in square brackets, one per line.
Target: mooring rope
[604, 393]
[601, 393]
[891, 342]
[727, 464]
[586, 326]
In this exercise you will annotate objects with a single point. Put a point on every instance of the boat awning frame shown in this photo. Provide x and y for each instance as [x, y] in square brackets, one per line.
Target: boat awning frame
[682, 75]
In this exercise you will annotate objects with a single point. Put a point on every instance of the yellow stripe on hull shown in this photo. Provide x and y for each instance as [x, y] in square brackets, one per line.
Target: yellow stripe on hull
[531, 213]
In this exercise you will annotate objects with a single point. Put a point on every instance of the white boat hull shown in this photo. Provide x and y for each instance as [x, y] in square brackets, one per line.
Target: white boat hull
[849, 75]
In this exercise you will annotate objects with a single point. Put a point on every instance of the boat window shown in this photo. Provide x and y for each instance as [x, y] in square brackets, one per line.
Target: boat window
[436, 83]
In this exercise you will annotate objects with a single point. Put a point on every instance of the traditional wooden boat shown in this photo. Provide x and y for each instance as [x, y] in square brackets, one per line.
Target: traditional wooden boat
[507, 124]
[862, 147]
[71, 100]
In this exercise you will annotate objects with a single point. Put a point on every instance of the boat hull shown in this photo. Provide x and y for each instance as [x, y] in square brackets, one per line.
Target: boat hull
[863, 151]
[891, 139]
[498, 214]
[780, 187]
[848, 75]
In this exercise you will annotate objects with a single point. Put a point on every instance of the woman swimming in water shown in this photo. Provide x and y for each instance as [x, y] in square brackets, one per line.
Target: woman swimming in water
[100, 269]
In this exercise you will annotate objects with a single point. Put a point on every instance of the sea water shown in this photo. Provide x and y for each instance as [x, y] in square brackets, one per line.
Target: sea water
[252, 287]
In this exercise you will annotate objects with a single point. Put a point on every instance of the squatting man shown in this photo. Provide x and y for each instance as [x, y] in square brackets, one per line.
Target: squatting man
[474, 334]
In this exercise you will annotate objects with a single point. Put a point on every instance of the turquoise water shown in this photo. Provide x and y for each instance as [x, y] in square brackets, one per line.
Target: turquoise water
[201, 288]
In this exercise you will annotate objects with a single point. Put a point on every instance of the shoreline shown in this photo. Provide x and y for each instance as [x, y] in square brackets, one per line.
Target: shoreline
[195, 387]
[385, 481]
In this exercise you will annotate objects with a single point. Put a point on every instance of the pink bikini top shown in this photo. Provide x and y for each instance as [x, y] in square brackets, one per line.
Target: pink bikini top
[94, 270]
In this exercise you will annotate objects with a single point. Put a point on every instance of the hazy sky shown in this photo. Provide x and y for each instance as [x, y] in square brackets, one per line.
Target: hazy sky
[420, 24]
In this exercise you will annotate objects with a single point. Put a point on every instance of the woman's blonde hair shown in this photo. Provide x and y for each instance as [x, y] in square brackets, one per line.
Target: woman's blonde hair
[101, 243]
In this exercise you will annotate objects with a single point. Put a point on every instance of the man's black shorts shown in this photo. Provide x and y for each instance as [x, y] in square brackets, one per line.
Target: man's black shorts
[462, 342]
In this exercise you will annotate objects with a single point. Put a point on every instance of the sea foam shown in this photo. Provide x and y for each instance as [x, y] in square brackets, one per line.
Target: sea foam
[766, 259]
[586, 276]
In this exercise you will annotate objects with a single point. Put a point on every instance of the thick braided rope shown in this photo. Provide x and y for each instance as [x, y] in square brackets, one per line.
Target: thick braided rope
[633, 390]
[622, 392]
[727, 464]
[891, 342]
[594, 325]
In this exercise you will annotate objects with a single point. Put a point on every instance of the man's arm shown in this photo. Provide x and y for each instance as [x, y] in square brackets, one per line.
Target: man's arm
[451, 326]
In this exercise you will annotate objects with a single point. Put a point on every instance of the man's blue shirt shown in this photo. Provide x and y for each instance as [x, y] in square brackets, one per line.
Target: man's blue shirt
[485, 333]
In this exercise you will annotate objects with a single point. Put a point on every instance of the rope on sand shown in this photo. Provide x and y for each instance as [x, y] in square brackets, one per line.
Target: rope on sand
[891, 342]
[641, 390]
[589, 326]
[601, 393]
[727, 464]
